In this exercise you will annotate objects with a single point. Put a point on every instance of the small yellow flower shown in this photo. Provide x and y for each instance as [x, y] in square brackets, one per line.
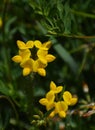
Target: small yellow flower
[60, 108]
[48, 101]
[54, 88]
[22, 56]
[39, 67]
[44, 46]
[33, 56]
[44, 57]
[21, 45]
[69, 99]
[27, 66]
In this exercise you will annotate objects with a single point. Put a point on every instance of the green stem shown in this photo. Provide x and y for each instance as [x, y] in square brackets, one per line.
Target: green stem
[88, 15]
[69, 36]
[83, 61]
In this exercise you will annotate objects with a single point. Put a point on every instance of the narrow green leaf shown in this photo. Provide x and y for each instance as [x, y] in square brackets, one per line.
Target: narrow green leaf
[3, 88]
[64, 54]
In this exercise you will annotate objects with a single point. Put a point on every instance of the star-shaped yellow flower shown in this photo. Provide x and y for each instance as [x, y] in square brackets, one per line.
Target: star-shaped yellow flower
[44, 46]
[48, 101]
[54, 88]
[22, 56]
[33, 56]
[27, 66]
[60, 108]
[44, 57]
[39, 67]
[21, 45]
[69, 99]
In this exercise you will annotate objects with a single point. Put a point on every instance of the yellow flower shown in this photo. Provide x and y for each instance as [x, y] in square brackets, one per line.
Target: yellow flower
[69, 99]
[39, 67]
[48, 101]
[34, 60]
[21, 45]
[54, 88]
[60, 108]
[27, 66]
[22, 56]
[44, 46]
[44, 57]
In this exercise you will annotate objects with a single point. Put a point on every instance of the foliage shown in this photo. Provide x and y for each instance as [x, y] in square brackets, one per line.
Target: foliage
[69, 25]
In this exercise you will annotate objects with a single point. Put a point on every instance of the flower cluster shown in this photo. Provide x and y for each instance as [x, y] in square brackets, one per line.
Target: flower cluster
[51, 101]
[33, 56]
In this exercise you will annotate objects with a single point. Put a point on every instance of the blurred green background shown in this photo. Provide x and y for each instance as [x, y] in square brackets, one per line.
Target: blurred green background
[70, 25]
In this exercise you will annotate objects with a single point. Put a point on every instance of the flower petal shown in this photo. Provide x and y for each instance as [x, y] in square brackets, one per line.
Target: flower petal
[50, 58]
[62, 114]
[50, 96]
[21, 44]
[43, 101]
[41, 72]
[37, 44]
[67, 97]
[47, 44]
[17, 59]
[73, 101]
[26, 71]
[52, 86]
[30, 44]
[59, 89]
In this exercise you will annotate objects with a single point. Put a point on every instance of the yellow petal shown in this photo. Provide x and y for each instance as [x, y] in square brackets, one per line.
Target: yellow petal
[64, 106]
[59, 89]
[50, 96]
[42, 53]
[49, 105]
[17, 59]
[67, 97]
[52, 85]
[26, 71]
[41, 72]
[50, 58]
[61, 106]
[30, 44]
[21, 44]
[52, 114]
[62, 114]
[27, 64]
[43, 101]
[37, 44]
[35, 65]
[43, 60]
[47, 44]
[54, 88]
[73, 101]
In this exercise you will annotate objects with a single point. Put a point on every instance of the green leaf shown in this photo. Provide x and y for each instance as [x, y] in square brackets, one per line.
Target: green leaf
[9, 23]
[67, 19]
[64, 54]
[3, 88]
